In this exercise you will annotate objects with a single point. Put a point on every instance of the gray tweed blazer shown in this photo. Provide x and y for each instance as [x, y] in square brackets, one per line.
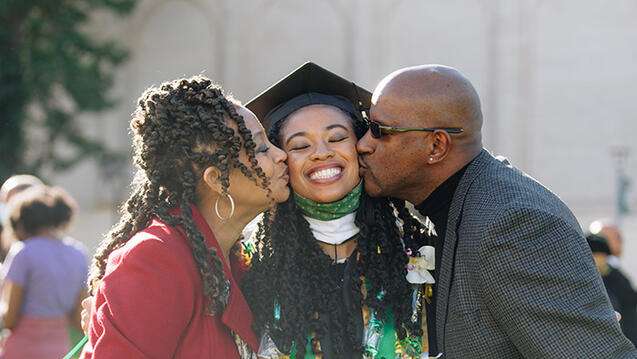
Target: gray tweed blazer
[517, 279]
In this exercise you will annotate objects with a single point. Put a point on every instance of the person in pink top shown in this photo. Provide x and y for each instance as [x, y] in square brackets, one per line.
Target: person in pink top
[44, 275]
[165, 280]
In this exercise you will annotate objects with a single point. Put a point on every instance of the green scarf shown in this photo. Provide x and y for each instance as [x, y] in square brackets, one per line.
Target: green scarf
[332, 210]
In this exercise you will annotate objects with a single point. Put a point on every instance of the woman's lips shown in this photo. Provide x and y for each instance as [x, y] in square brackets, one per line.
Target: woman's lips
[285, 175]
[325, 174]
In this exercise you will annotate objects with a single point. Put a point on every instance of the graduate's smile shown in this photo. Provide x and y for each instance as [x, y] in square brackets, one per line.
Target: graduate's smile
[326, 174]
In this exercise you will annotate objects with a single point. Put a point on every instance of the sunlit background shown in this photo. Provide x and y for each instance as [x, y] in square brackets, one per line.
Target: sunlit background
[557, 81]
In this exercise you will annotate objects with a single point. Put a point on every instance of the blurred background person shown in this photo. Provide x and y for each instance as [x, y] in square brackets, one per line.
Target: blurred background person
[44, 275]
[12, 186]
[620, 291]
[611, 233]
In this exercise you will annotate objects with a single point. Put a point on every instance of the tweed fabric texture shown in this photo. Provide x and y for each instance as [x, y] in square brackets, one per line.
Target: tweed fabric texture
[517, 277]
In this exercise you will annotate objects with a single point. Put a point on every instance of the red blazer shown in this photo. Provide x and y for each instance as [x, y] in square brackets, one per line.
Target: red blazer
[150, 304]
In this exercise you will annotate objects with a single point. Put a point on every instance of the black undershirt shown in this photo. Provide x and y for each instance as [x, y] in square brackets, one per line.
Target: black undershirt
[436, 207]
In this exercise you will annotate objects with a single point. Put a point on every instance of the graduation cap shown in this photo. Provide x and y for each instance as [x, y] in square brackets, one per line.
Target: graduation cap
[309, 84]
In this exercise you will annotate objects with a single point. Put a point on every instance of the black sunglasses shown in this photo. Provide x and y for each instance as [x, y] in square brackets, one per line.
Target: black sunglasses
[379, 130]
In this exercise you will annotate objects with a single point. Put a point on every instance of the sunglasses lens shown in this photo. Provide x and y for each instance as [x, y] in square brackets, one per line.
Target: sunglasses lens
[376, 131]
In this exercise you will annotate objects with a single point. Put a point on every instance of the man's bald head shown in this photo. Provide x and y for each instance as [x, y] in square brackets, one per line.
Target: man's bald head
[439, 95]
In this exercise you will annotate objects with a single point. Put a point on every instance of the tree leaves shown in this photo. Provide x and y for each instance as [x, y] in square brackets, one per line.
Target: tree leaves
[47, 62]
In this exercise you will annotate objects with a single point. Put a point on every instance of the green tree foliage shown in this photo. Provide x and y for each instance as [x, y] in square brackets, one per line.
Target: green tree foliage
[46, 56]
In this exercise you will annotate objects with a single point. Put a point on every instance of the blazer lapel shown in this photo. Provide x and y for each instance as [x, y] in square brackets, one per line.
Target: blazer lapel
[237, 315]
[449, 246]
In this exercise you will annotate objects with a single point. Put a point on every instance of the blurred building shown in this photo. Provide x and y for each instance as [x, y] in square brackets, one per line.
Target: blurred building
[556, 78]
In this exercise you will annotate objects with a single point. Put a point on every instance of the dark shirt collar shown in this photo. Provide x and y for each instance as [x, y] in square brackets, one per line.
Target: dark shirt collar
[439, 201]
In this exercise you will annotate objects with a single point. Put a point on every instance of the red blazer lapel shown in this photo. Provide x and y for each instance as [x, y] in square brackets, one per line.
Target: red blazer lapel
[237, 315]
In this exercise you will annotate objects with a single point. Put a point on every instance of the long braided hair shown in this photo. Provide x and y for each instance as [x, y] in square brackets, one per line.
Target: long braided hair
[179, 129]
[290, 268]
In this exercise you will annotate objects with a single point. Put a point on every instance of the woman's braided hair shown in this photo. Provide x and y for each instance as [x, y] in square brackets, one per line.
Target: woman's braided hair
[290, 268]
[179, 129]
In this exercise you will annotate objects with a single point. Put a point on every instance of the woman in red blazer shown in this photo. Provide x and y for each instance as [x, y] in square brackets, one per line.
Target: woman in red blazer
[165, 277]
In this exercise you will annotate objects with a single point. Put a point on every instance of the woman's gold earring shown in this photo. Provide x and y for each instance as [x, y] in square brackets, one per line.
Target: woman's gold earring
[231, 207]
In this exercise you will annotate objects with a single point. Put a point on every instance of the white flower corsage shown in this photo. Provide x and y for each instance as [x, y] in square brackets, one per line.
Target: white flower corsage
[420, 265]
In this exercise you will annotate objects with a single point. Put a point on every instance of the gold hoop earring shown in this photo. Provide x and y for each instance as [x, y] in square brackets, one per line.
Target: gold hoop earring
[231, 207]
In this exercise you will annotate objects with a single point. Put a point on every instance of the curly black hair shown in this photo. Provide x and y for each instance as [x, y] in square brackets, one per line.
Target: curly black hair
[180, 129]
[290, 268]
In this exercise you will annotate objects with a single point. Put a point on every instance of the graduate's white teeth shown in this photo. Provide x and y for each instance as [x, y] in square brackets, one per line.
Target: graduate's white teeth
[326, 173]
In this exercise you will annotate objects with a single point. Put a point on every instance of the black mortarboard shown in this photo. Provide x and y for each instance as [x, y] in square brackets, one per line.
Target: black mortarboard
[597, 243]
[309, 84]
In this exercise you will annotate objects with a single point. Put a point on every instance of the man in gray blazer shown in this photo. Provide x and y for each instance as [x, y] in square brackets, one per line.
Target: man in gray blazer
[514, 275]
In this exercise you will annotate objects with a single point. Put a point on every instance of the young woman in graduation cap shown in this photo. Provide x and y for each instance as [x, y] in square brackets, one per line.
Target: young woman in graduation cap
[328, 277]
[165, 278]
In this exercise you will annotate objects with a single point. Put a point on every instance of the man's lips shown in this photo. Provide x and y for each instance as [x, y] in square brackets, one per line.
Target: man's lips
[361, 163]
